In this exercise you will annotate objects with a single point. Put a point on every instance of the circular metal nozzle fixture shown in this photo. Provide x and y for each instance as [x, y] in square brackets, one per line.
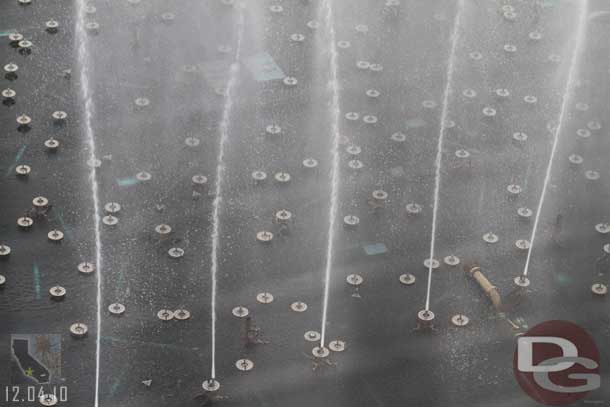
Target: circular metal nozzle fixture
[462, 153]
[2, 280]
[163, 229]
[296, 37]
[165, 315]
[594, 125]
[380, 195]
[522, 244]
[413, 208]
[320, 352]
[110, 220]
[525, 212]
[398, 137]
[407, 279]
[599, 289]
[48, 400]
[192, 141]
[8, 94]
[116, 309]
[283, 216]
[370, 119]
[520, 136]
[112, 207]
[51, 144]
[276, 8]
[78, 330]
[425, 316]
[469, 93]
[90, 9]
[55, 235]
[240, 311]
[352, 116]
[351, 221]
[460, 320]
[344, 44]
[337, 345]
[282, 177]
[490, 237]
[353, 150]
[24, 120]
[57, 292]
[290, 81]
[451, 260]
[502, 92]
[298, 306]
[489, 111]
[211, 385]
[373, 93]
[376, 68]
[273, 129]
[312, 336]
[264, 236]
[510, 48]
[607, 248]
[23, 170]
[264, 298]
[259, 176]
[310, 163]
[355, 164]
[14, 38]
[530, 99]
[86, 268]
[25, 2]
[175, 252]
[92, 27]
[603, 228]
[40, 202]
[592, 175]
[522, 281]
[514, 189]
[432, 264]
[25, 222]
[4, 250]
[11, 67]
[25, 47]
[199, 179]
[244, 365]
[182, 314]
[52, 26]
[94, 162]
[142, 102]
[143, 176]
[354, 279]
[314, 25]
[429, 104]
[583, 133]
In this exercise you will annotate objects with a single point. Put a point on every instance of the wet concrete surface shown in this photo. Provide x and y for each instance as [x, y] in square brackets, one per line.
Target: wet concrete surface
[162, 95]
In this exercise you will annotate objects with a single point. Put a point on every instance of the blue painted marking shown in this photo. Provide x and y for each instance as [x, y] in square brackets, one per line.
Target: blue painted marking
[127, 182]
[36, 281]
[17, 159]
[263, 67]
[6, 33]
[374, 249]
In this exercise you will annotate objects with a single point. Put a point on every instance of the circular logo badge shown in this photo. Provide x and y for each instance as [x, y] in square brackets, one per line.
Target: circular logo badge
[556, 363]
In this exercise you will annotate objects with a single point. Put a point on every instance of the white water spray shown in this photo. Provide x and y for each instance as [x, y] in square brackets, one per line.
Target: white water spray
[335, 114]
[572, 73]
[441, 137]
[224, 135]
[85, 94]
